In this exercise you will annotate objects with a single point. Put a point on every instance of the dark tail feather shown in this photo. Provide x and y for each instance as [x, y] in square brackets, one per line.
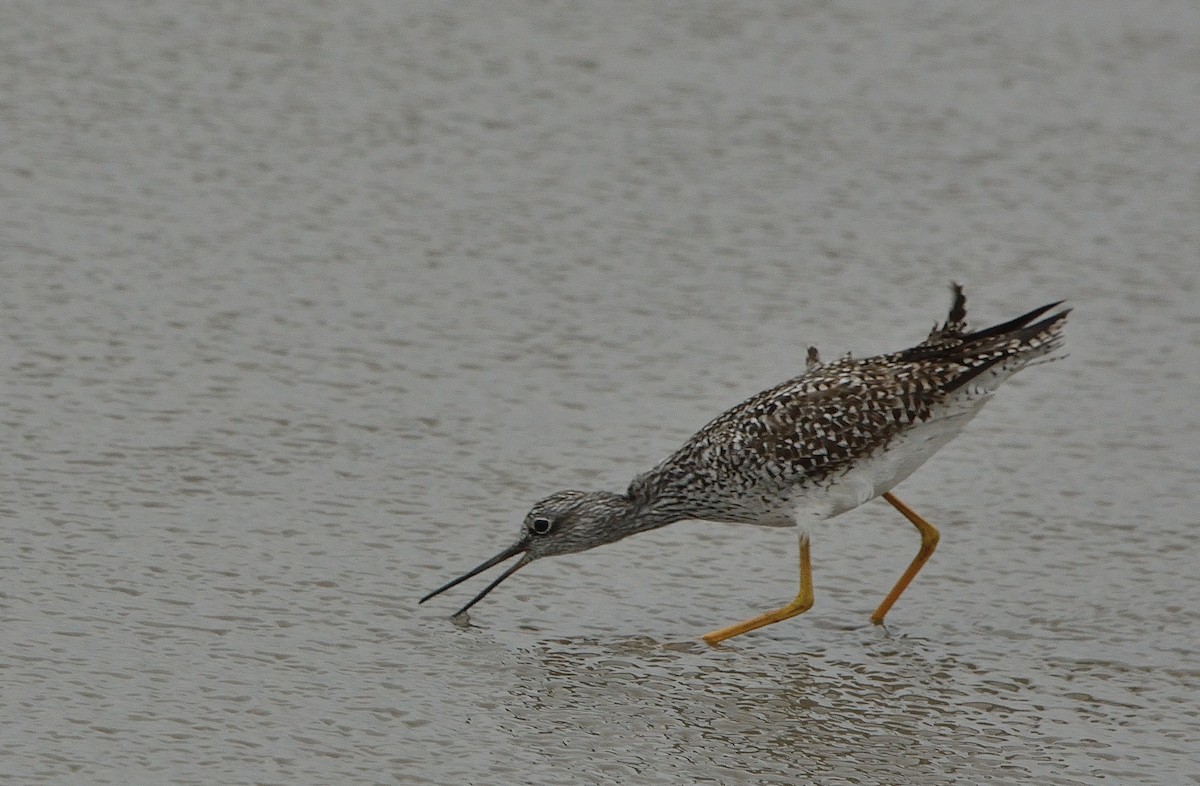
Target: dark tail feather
[1014, 324]
[1020, 341]
[956, 321]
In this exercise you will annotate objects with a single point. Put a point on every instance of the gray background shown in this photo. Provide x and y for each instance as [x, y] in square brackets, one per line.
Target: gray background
[304, 304]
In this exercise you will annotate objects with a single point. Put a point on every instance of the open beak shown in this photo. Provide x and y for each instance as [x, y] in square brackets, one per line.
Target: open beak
[517, 548]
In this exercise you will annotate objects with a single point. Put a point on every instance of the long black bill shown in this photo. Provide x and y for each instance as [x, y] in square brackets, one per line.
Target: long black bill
[515, 549]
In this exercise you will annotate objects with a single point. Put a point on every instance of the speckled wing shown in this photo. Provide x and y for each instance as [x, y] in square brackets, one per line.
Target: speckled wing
[811, 429]
[800, 432]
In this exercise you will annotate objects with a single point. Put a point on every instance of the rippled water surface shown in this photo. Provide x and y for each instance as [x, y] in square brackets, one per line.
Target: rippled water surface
[304, 304]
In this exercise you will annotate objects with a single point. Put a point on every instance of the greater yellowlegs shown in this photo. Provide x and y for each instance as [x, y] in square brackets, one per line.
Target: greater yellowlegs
[838, 435]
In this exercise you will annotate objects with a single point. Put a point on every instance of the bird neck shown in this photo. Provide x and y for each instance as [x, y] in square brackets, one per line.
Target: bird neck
[617, 516]
[610, 517]
[644, 514]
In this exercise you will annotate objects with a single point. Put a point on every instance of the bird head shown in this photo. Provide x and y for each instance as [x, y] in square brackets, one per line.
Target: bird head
[563, 523]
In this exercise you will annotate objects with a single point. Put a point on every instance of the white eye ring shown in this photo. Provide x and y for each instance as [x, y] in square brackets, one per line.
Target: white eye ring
[540, 526]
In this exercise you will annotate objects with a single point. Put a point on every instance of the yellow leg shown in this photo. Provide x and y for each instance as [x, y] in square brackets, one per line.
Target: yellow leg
[802, 603]
[929, 541]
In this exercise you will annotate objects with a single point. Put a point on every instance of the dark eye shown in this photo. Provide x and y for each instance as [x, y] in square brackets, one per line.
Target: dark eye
[540, 526]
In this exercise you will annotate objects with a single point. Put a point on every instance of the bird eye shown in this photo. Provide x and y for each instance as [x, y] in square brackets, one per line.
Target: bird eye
[540, 526]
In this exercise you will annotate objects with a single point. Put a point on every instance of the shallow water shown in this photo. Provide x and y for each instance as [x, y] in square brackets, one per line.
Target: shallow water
[306, 304]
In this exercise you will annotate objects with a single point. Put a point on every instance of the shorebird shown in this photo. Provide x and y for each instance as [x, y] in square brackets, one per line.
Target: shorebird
[813, 447]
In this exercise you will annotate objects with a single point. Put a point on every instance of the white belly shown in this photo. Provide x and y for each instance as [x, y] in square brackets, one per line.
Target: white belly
[884, 469]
